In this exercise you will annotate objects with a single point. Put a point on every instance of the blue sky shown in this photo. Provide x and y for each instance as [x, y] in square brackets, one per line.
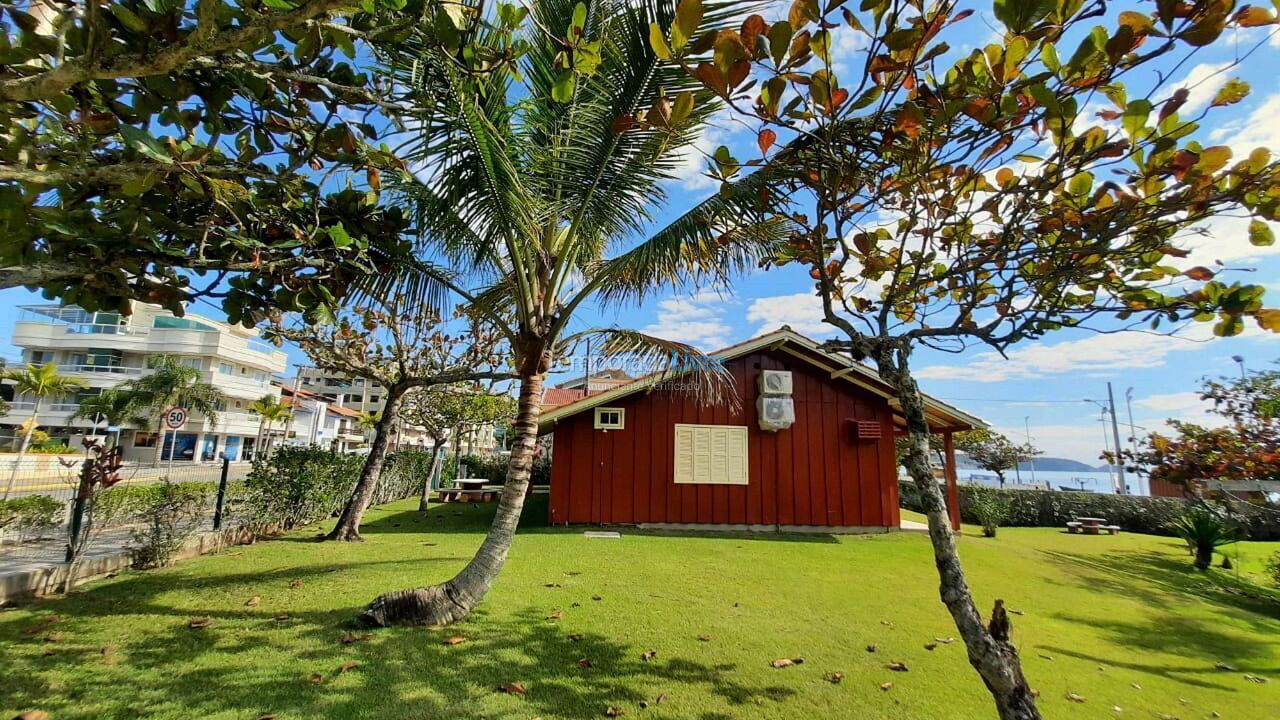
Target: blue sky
[1042, 384]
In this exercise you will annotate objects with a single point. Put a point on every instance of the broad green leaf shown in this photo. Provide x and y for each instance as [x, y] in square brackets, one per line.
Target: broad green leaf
[142, 141]
[578, 25]
[1080, 184]
[1135, 116]
[1233, 92]
[129, 18]
[681, 109]
[339, 236]
[658, 42]
[779, 40]
[562, 88]
[688, 15]
[279, 4]
[1020, 15]
[1260, 234]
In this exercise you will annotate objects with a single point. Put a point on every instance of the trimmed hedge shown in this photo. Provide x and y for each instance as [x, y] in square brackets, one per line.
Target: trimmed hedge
[494, 469]
[1133, 513]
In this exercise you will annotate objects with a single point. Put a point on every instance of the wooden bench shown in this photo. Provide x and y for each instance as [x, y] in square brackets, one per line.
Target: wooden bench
[1091, 529]
[460, 495]
[1112, 529]
[1073, 527]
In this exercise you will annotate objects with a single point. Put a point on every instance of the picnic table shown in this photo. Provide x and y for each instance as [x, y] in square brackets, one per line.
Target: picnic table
[1091, 526]
[468, 490]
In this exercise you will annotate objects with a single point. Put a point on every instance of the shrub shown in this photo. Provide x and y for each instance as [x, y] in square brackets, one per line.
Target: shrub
[990, 510]
[169, 513]
[402, 475]
[494, 469]
[1133, 513]
[296, 486]
[1205, 531]
[31, 513]
[1273, 568]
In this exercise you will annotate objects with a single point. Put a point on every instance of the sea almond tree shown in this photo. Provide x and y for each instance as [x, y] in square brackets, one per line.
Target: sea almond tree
[944, 199]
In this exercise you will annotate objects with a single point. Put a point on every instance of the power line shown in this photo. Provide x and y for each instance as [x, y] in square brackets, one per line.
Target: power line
[1012, 401]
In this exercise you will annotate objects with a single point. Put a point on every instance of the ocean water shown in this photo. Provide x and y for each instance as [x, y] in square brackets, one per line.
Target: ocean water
[1097, 481]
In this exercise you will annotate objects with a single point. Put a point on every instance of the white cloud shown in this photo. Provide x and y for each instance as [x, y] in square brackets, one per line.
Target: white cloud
[697, 320]
[1179, 402]
[1078, 442]
[1261, 129]
[1201, 84]
[1091, 354]
[802, 311]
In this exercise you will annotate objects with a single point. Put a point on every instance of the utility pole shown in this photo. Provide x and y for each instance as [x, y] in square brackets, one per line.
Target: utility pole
[1115, 436]
[1026, 422]
[293, 403]
[586, 377]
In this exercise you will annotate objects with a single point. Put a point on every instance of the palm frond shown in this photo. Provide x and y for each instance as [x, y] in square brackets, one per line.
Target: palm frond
[679, 367]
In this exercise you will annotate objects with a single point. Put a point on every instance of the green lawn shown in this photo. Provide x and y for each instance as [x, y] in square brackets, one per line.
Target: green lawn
[1121, 621]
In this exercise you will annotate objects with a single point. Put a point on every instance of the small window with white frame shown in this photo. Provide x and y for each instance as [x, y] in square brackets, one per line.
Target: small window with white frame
[608, 418]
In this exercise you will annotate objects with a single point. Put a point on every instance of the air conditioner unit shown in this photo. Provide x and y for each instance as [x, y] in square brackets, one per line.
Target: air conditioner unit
[775, 382]
[776, 413]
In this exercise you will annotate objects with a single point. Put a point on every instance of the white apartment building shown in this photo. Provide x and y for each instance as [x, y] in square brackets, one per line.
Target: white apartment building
[364, 396]
[107, 348]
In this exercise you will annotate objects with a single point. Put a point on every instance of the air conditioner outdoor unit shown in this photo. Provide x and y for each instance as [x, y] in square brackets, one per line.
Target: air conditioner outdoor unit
[776, 413]
[775, 382]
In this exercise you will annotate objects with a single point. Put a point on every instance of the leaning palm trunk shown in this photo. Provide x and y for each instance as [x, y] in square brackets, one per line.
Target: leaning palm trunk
[348, 527]
[453, 600]
[160, 443]
[437, 451]
[22, 449]
[989, 649]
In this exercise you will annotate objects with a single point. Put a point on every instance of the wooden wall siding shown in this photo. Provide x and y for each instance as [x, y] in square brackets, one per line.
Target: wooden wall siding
[812, 474]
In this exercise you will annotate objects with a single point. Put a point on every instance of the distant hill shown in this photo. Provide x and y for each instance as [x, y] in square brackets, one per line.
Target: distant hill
[1055, 464]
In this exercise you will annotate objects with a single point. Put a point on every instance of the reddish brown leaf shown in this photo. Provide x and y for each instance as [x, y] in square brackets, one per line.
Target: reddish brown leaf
[1173, 103]
[1253, 16]
[621, 124]
[350, 638]
[198, 623]
[558, 614]
[752, 28]
[315, 678]
[585, 662]
[348, 666]
[375, 180]
[514, 688]
[295, 583]
[612, 711]
[32, 715]
[704, 638]
[711, 77]
[454, 640]
[738, 72]
[1200, 273]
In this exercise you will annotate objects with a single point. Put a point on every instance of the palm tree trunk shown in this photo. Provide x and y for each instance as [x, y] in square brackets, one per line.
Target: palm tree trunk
[257, 442]
[160, 442]
[989, 649]
[348, 527]
[453, 600]
[437, 450]
[22, 449]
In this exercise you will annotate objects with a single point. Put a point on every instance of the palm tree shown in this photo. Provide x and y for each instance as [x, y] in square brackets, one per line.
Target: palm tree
[534, 197]
[40, 382]
[115, 406]
[169, 384]
[270, 410]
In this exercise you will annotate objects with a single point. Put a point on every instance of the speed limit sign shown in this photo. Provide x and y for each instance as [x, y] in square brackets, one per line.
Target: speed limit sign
[174, 417]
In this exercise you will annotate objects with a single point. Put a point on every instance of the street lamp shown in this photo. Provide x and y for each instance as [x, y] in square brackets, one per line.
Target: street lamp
[1240, 361]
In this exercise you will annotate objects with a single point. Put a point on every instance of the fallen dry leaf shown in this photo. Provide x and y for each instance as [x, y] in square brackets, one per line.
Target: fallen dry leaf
[575, 638]
[834, 677]
[1075, 698]
[945, 641]
[1035, 693]
[649, 655]
[454, 640]
[782, 662]
[585, 662]
[886, 623]
[597, 598]
[556, 615]
[612, 711]
[295, 583]
[886, 686]
[1254, 678]
[930, 646]
[552, 585]
[198, 623]
[281, 617]
[1135, 686]
[872, 647]
[268, 716]
[253, 601]
[897, 666]
[1224, 667]
[315, 678]
[514, 688]
[351, 638]
[32, 715]
[109, 655]
[1017, 612]
[704, 638]
[348, 666]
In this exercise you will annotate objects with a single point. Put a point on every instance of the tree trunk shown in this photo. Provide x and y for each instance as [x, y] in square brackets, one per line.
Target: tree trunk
[1204, 556]
[348, 527]
[454, 600]
[989, 650]
[160, 442]
[22, 449]
[437, 450]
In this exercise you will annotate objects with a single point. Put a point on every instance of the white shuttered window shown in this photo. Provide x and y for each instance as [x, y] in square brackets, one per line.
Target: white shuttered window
[711, 454]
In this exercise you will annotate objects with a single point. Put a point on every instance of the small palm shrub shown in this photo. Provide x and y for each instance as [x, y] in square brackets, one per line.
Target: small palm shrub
[990, 510]
[1204, 531]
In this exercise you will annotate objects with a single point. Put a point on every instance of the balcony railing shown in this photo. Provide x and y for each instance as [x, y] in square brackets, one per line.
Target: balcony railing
[103, 369]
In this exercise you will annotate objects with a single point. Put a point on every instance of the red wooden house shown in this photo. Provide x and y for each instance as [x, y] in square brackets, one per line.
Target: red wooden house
[644, 454]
